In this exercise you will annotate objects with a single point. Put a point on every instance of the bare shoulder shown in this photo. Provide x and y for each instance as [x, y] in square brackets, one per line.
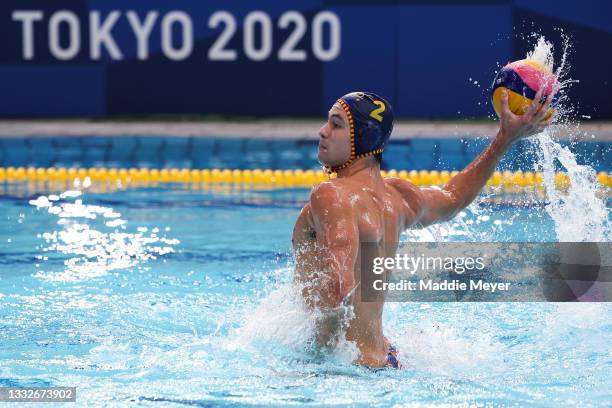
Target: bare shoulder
[401, 185]
[329, 201]
[412, 195]
[326, 200]
[328, 192]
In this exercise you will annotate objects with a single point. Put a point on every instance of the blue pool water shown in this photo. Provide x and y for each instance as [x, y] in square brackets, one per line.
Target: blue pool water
[170, 296]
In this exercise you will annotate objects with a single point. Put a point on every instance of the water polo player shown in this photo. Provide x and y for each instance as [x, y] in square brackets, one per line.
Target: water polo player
[359, 205]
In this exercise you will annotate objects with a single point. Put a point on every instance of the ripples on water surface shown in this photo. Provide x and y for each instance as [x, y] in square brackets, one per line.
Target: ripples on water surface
[173, 296]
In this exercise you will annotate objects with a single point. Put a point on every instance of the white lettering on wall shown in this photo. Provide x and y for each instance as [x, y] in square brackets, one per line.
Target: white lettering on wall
[27, 18]
[142, 31]
[218, 52]
[74, 35]
[101, 34]
[288, 51]
[257, 21]
[331, 19]
[184, 20]
[177, 33]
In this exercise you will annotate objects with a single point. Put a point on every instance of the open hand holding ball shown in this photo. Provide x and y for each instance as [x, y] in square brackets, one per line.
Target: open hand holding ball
[521, 96]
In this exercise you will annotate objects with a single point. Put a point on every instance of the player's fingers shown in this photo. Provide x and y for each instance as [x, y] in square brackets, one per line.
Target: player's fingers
[505, 106]
[535, 103]
[549, 99]
[546, 99]
[541, 113]
[545, 123]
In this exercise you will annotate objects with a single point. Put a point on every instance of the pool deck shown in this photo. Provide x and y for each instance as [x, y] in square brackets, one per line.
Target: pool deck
[273, 129]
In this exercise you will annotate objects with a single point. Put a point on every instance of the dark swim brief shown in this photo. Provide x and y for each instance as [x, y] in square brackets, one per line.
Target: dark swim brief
[392, 361]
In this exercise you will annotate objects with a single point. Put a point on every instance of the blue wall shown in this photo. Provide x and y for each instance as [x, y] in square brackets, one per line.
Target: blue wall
[424, 56]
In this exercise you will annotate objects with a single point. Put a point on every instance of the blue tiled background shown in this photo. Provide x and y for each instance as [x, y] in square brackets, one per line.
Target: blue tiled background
[198, 152]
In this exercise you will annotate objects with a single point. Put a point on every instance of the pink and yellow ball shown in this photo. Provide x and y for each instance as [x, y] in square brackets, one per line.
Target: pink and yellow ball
[522, 79]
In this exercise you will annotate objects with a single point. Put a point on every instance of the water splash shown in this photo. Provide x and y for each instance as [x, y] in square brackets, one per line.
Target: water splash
[543, 52]
[579, 214]
[284, 327]
[444, 349]
[275, 321]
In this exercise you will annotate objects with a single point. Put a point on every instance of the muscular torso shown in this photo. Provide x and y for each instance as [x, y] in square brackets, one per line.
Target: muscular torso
[381, 214]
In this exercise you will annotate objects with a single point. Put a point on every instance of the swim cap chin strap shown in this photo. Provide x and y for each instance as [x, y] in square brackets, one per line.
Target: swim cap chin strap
[370, 120]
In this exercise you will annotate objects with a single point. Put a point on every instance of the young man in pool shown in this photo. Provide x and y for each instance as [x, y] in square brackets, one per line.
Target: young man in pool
[359, 205]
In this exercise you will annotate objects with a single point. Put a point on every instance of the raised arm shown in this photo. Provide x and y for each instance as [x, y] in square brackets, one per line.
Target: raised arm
[337, 238]
[435, 205]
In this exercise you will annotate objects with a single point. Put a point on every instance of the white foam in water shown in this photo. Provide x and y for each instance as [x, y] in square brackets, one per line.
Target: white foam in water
[442, 349]
[543, 53]
[580, 214]
[281, 318]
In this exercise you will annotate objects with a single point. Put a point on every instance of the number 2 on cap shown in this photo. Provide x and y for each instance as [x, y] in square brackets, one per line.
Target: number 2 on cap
[376, 112]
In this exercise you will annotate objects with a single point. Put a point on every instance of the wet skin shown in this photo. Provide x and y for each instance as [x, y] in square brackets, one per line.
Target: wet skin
[362, 206]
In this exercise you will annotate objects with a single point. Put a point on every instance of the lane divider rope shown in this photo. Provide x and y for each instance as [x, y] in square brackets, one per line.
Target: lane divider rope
[508, 180]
